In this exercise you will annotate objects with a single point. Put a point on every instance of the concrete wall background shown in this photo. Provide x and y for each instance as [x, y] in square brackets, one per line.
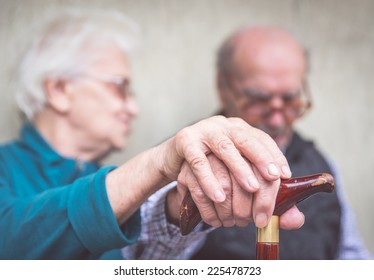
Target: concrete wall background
[173, 75]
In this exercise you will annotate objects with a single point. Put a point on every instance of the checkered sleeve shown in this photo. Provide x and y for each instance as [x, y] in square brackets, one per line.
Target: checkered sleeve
[160, 240]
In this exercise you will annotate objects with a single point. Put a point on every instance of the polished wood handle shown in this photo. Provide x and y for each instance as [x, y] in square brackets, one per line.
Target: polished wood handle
[291, 192]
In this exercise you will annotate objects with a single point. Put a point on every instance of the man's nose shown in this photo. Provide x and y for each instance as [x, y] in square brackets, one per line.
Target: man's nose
[276, 102]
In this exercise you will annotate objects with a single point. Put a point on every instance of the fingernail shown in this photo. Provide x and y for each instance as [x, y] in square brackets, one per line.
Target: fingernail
[253, 182]
[286, 171]
[261, 220]
[219, 196]
[273, 170]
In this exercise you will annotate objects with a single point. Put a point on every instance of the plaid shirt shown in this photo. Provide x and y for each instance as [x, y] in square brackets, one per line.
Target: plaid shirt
[160, 240]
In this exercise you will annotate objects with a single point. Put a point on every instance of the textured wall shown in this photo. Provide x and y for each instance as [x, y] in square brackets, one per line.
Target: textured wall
[174, 77]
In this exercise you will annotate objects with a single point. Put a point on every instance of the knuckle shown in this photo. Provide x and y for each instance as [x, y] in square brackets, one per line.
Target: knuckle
[182, 134]
[198, 163]
[199, 196]
[206, 209]
[214, 121]
[241, 139]
[226, 185]
[227, 220]
[225, 214]
[224, 146]
[183, 175]
[181, 180]
[243, 216]
[266, 200]
[210, 217]
[236, 121]
[218, 118]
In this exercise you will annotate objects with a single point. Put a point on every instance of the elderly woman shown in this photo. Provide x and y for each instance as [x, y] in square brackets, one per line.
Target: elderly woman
[56, 202]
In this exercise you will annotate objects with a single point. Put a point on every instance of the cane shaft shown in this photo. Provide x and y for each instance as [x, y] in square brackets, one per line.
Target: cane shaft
[267, 245]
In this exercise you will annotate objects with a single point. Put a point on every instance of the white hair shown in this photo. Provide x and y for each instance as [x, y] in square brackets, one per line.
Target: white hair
[61, 50]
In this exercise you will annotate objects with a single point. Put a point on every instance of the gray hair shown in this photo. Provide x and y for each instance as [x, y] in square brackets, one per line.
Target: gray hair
[60, 50]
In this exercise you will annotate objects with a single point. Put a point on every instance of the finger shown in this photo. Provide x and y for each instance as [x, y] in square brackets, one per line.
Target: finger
[264, 200]
[226, 150]
[205, 205]
[292, 219]
[223, 209]
[206, 208]
[260, 149]
[279, 158]
[194, 153]
[242, 204]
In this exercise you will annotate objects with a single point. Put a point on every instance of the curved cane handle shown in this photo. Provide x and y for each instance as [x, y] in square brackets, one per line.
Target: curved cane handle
[291, 192]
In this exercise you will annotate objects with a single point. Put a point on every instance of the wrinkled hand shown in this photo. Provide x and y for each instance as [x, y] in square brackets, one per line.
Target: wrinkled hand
[240, 206]
[234, 142]
[245, 158]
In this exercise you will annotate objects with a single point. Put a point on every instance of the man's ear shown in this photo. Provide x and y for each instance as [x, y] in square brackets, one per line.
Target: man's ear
[58, 95]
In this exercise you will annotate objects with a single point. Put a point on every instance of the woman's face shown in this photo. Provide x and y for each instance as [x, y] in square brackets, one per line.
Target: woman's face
[102, 107]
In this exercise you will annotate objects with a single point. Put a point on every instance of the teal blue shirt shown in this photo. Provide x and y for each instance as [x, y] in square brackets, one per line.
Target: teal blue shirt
[53, 207]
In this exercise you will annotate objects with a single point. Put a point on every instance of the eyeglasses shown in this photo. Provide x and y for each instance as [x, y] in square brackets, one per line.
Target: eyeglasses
[256, 102]
[121, 84]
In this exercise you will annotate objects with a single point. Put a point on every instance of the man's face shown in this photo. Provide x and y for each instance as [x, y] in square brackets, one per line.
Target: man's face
[267, 89]
[102, 107]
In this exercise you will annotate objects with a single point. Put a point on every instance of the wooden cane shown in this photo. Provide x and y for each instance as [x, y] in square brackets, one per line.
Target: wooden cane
[291, 192]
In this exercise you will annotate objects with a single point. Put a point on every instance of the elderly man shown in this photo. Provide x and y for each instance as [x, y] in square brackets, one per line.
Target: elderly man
[262, 78]
[56, 202]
